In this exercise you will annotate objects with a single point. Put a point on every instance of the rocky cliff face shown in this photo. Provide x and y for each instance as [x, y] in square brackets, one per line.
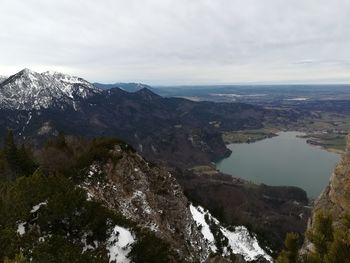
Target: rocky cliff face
[335, 199]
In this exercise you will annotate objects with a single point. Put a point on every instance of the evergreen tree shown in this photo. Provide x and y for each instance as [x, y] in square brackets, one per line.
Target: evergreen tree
[11, 157]
[26, 162]
[290, 253]
[58, 142]
[61, 141]
[321, 235]
[339, 249]
[15, 161]
[10, 150]
[331, 245]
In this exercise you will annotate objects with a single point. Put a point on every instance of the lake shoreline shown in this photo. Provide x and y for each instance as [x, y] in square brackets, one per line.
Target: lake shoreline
[268, 134]
[286, 159]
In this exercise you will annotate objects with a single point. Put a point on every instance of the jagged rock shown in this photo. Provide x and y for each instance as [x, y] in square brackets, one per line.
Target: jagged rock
[335, 199]
[150, 196]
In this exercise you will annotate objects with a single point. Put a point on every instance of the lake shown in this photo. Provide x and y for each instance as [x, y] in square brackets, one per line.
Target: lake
[282, 160]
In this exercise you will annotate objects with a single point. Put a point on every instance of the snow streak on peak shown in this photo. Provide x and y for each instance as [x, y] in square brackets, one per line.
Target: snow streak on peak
[29, 90]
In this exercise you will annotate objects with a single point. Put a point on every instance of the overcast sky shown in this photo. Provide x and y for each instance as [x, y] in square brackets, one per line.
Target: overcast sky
[167, 42]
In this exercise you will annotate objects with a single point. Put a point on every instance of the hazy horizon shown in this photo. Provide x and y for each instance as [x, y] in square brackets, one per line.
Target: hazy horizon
[183, 85]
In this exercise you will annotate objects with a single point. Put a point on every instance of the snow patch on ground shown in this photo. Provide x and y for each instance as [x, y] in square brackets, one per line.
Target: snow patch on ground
[92, 174]
[37, 207]
[119, 245]
[94, 169]
[21, 230]
[141, 197]
[29, 117]
[240, 241]
[198, 216]
[89, 196]
[86, 245]
[153, 227]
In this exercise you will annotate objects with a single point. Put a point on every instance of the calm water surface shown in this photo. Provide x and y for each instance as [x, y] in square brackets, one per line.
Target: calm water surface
[282, 160]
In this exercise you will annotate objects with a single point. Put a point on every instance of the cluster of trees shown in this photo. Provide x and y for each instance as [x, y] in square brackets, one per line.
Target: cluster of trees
[15, 161]
[54, 232]
[331, 242]
[66, 221]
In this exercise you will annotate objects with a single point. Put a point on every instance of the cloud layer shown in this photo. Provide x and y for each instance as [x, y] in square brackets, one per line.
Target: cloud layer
[179, 41]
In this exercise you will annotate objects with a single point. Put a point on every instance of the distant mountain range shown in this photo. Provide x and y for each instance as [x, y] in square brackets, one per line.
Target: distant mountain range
[174, 130]
[28, 89]
[130, 87]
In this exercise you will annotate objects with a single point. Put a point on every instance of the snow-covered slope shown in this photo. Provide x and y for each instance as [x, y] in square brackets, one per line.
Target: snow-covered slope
[224, 241]
[29, 90]
[119, 245]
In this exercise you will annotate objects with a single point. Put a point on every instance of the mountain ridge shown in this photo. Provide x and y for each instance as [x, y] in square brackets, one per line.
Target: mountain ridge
[27, 90]
[49, 102]
[130, 86]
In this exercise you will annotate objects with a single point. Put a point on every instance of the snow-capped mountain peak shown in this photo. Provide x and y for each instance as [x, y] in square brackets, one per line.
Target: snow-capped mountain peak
[27, 70]
[29, 90]
[64, 77]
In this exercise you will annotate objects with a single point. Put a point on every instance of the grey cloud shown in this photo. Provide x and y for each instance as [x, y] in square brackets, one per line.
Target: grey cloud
[179, 41]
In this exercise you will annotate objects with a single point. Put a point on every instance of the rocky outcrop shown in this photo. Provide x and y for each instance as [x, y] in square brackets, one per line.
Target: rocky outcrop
[335, 199]
[149, 196]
